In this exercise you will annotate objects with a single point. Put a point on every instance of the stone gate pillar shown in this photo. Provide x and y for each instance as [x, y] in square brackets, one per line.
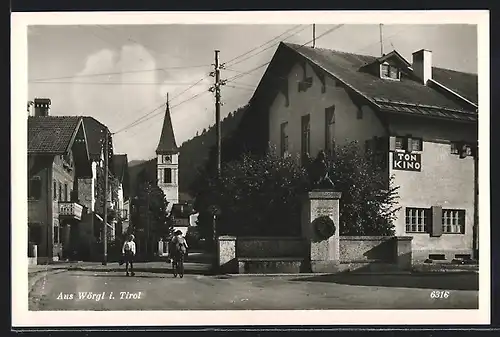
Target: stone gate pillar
[320, 228]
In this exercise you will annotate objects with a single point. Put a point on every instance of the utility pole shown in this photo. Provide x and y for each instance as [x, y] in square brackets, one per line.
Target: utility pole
[216, 89]
[381, 42]
[314, 35]
[147, 219]
[475, 238]
[106, 172]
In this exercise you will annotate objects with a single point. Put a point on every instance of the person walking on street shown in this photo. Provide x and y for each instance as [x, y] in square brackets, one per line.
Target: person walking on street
[178, 252]
[128, 251]
[179, 242]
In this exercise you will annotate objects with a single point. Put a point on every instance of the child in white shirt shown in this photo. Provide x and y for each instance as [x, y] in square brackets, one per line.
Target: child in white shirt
[128, 251]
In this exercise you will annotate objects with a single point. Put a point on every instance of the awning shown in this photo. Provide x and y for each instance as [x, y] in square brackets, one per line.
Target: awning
[102, 220]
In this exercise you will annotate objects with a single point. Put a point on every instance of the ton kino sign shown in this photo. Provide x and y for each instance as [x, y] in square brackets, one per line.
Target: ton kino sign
[406, 161]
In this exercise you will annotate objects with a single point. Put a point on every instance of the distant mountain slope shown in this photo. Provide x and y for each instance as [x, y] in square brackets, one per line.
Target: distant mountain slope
[194, 154]
[135, 167]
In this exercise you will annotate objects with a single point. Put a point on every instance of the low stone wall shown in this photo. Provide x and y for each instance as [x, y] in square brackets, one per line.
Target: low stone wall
[362, 249]
[356, 252]
[254, 247]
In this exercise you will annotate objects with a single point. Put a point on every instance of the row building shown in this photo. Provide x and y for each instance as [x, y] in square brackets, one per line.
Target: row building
[65, 186]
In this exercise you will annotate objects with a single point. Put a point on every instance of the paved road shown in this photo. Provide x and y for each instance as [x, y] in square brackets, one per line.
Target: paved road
[160, 291]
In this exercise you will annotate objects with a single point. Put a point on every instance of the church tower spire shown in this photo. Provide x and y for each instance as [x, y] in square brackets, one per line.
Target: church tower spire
[167, 163]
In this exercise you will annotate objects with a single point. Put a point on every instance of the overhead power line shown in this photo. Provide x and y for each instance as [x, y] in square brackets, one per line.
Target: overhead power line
[152, 113]
[115, 83]
[267, 48]
[118, 73]
[262, 65]
[262, 45]
[143, 118]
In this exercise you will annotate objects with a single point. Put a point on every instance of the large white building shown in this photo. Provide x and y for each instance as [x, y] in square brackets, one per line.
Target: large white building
[420, 119]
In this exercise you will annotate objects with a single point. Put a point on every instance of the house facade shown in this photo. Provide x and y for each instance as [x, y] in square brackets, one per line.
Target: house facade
[92, 190]
[419, 119]
[122, 202]
[57, 158]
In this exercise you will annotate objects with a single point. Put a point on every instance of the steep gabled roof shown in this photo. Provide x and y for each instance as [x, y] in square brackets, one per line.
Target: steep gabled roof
[95, 136]
[405, 96]
[464, 84]
[120, 165]
[56, 135]
[393, 55]
[51, 134]
[120, 171]
[167, 144]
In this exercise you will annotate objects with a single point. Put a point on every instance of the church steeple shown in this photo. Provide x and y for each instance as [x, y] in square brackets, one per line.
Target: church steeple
[167, 144]
[167, 162]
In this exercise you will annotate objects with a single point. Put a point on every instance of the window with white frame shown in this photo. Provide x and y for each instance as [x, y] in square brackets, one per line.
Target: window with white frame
[417, 219]
[415, 144]
[399, 143]
[453, 221]
[461, 148]
[408, 143]
[167, 175]
[388, 71]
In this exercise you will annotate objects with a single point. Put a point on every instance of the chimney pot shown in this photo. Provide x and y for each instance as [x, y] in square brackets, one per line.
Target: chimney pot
[422, 65]
[42, 106]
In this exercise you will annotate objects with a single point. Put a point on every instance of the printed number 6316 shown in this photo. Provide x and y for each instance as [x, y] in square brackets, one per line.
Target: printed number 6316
[440, 294]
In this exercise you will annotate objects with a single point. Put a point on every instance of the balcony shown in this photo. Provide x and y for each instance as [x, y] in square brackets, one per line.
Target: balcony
[70, 210]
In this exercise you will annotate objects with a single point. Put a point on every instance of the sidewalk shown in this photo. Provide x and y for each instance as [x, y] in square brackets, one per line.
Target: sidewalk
[444, 268]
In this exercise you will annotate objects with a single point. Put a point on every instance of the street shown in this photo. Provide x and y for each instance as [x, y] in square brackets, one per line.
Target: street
[159, 290]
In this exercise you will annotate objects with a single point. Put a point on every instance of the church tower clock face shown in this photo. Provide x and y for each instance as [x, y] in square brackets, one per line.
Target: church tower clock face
[167, 159]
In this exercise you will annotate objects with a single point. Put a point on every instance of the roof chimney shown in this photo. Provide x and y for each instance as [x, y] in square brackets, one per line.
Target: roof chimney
[422, 65]
[42, 106]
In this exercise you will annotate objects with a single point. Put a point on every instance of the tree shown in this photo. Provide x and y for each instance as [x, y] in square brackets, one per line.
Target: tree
[261, 196]
[368, 204]
[257, 196]
[149, 210]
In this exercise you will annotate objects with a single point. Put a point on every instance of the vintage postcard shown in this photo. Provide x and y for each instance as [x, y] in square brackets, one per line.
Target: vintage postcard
[252, 168]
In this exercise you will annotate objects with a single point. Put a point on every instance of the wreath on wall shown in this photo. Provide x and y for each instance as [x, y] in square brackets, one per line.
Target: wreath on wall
[324, 227]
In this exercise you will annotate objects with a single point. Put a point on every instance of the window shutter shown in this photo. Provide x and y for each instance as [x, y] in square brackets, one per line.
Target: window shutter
[381, 145]
[436, 221]
[392, 143]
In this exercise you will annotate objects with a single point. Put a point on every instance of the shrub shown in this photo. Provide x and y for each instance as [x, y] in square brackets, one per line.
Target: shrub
[261, 196]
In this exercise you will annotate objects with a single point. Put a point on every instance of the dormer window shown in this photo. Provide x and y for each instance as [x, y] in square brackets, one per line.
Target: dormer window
[389, 72]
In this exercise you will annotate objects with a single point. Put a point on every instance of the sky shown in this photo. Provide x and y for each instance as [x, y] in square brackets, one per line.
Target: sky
[119, 74]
